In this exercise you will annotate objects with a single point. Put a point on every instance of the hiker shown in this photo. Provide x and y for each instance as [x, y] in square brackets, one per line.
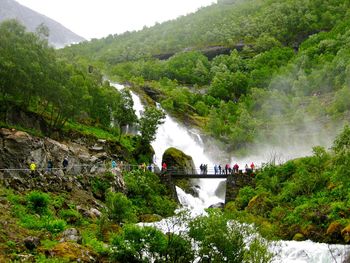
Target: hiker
[252, 166]
[164, 167]
[114, 164]
[32, 167]
[235, 168]
[227, 166]
[246, 168]
[49, 165]
[215, 169]
[65, 163]
[201, 168]
[219, 168]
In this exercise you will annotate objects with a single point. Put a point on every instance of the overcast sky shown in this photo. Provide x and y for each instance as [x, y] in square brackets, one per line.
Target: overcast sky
[99, 18]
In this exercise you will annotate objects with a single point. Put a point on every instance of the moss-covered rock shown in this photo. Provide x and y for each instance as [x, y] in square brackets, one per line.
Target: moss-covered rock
[72, 252]
[334, 231]
[298, 237]
[346, 234]
[176, 159]
[259, 205]
[149, 218]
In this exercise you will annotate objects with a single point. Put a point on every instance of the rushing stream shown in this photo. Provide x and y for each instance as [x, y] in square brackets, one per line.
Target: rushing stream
[173, 134]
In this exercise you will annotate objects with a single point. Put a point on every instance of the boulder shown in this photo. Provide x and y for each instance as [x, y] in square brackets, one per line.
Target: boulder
[334, 231]
[176, 159]
[71, 234]
[221, 190]
[217, 205]
[346, 234]
[72, 252]
[298, 237]
[259, 205]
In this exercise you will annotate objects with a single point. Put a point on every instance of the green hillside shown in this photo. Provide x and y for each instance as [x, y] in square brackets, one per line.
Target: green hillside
[289, 70]
[226, 23]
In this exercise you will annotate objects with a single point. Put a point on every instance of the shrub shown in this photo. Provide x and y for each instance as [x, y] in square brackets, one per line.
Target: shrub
[90, 239]
[138, 244]
[147, 194]
[216, 239]
[71, 216]
[100, 187]
[38, 202]
[55, 225]
[244, 196]
[119, 208]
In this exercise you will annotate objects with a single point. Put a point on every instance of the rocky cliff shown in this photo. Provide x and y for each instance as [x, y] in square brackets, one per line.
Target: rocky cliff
[86, 159]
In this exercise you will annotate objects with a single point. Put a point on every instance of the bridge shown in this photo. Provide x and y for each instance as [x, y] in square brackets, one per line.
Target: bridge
[234, 180]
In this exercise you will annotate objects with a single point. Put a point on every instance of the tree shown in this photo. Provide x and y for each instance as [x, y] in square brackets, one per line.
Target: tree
[124, 112]
[222, 240]
[342, 141]
[149, 123]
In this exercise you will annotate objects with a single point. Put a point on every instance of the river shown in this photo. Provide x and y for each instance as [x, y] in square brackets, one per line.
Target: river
[173, 134]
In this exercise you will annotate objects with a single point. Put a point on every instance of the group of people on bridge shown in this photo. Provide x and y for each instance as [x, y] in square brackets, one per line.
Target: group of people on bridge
[218, 169]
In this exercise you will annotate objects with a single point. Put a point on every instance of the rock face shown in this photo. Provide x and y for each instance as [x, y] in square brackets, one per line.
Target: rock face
[176, 159]
[18, 149]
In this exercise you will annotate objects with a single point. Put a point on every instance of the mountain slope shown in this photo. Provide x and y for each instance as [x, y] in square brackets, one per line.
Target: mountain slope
[59, 35]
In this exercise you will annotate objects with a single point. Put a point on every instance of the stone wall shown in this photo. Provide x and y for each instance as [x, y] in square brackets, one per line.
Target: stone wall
[235, 182]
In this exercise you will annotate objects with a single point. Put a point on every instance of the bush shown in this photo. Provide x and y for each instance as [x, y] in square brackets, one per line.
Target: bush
[119, 208]
[100, 187]
[244, 196]
[147, 194]
[38, 202]
[220, 239]
[138, 244]
[71, 216]
[55, 225]
[216, 239]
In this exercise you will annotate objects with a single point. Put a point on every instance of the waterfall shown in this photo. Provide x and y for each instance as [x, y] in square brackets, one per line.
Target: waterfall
[173, 134]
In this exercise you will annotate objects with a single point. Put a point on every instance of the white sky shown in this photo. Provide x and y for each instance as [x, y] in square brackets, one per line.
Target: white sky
[99, 18]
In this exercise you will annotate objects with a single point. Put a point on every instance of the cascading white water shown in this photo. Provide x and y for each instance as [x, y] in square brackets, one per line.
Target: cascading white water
[173, 134]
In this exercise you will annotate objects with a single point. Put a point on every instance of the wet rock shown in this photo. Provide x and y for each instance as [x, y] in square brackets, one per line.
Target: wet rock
[217, 205]
[221, 190]
[31, 242]
[194, 190]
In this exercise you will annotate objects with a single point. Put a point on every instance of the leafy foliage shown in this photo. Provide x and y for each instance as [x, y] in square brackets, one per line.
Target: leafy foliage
[149, 122]
[221, 240]
[38, 202]
[35, 78]
[119, 208]
[304, 196]
[138, 244]
[147, 194]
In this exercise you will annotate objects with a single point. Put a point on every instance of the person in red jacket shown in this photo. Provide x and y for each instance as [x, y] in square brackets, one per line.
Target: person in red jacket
[164, 167]
[252, 166]
[235, 168]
